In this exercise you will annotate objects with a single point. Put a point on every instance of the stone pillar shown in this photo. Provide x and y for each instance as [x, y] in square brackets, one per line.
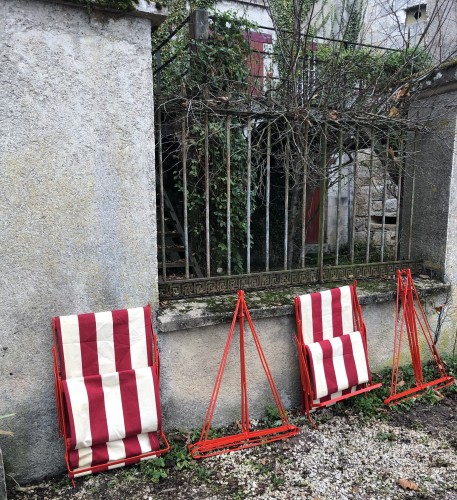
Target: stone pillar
[431, 184]
[77, 203]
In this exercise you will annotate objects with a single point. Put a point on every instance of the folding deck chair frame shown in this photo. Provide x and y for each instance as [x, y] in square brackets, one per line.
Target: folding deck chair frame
[308, 396]
[62, 412]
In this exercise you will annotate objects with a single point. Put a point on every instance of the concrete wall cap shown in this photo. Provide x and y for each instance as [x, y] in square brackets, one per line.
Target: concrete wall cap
[144, 8]
[182, 314]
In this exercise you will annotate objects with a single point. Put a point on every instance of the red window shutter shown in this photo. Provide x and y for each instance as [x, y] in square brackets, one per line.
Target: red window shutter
[256, 62]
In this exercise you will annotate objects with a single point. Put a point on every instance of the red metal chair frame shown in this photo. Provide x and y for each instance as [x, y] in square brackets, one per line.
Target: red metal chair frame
[63, 424]
[307, 391]
[247, 438]
[413, 318]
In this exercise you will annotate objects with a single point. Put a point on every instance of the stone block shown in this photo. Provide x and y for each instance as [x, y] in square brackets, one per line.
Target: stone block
[391, 207]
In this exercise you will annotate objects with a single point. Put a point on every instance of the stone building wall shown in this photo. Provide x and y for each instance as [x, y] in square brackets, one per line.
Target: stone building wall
[363, 211]
[374, 212]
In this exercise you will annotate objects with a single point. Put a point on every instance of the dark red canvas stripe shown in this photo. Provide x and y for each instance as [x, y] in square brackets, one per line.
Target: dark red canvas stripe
[329, 369]
[60, 346]
[311, 370]
[148, 326]
[97, 412]
[88, 344]
[130, 404]
[337, 318]
[132, 446]
[121, 340]
[99, 454]
[349, 363]
[73, 458]
[316, 306]
[70, 423]
[155, 379]
[154, 440]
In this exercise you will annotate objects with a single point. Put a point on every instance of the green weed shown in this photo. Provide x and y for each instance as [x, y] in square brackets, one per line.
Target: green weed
[386, 436]
[154, 469]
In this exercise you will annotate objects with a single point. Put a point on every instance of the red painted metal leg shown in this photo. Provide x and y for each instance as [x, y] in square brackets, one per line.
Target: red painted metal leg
[246, 439]
[413, 318]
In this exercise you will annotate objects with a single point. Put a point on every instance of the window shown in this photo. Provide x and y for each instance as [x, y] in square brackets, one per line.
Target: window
[416, 14]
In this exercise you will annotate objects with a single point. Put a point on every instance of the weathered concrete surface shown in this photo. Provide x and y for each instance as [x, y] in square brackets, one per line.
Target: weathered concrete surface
[434, 198]
[2, 478]
[77, 203]
[153, 11]
[433, 171]
[193, 336]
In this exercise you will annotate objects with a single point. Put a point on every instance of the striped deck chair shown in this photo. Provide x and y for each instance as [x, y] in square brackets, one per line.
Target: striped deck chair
[332, 347]
[107, 389]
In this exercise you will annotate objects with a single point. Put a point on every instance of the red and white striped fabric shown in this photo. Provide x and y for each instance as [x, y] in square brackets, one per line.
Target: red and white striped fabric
[337, 364]
[105, 342]
[110, 388]
[112, 406]
[336, 354]
[326, 314]
[113, 451]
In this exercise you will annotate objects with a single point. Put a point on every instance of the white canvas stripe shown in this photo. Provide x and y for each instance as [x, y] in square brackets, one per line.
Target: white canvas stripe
[319, 373]
[81, 474]
[105, 342]
[359, 357]
[338, 364]
[145, 443]
[80, 409]
[71, 346]
[307, 319]
[346, 309]
[116, 466]
[116, 450]
[84, 457]
[327, 316]
[113, 406]
[146, 399]
[137, 335]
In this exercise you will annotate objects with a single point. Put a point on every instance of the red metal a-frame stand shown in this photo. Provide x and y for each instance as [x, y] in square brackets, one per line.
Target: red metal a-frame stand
[246, 438]
[414, 319]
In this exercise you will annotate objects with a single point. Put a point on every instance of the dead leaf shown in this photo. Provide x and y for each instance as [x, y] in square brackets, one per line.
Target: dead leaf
[401, 383]
[401, 92]
[392, 154]
[6, 433]
[263, 461]
[393, 112]
[407, 485]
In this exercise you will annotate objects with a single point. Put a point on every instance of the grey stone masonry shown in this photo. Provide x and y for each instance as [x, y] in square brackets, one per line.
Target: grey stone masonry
[429, 224]
[77, 196]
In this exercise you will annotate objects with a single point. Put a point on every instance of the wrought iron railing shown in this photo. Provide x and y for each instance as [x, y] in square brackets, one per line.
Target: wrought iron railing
[255, 193]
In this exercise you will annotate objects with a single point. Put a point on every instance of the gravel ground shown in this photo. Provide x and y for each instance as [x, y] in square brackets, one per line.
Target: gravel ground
[350, 457]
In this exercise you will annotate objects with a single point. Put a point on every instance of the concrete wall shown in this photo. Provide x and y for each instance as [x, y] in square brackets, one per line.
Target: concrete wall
[77, 203]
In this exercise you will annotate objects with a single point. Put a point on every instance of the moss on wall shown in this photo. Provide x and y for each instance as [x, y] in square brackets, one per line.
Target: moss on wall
[119, 5]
